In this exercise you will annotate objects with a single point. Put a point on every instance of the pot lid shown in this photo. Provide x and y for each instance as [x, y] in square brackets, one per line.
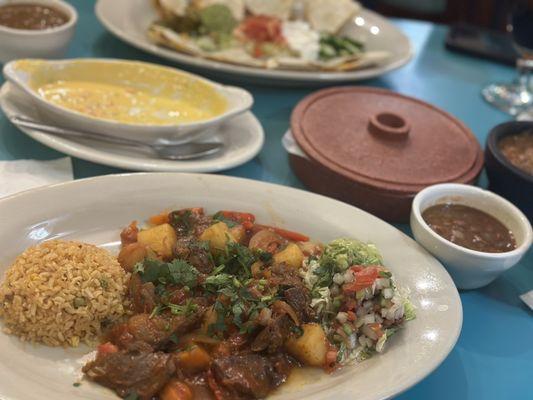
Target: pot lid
[385, 140]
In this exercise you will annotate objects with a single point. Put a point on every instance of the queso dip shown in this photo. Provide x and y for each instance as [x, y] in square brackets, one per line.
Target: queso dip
[125, 91]
[122, 103]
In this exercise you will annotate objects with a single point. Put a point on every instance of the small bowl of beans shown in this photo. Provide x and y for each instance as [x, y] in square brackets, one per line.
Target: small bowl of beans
[509, 163]
[475, 233]
[35, 28]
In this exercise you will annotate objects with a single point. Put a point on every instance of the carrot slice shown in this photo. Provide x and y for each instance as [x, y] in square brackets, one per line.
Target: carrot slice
[159, 219]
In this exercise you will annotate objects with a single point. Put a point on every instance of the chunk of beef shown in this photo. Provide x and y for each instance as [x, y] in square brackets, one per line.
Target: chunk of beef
[142, 294]
[189, 221]
[190, 250]
[298, 298]
[273, 336]
[157, 330]
[284, 275]
[251, 375]
[137, 370]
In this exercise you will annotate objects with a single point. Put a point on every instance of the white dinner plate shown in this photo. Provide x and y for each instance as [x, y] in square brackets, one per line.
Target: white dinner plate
[129, 20]
[242, 136]
[94, 210]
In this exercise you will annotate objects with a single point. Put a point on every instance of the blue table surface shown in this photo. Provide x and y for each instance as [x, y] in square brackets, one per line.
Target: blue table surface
[493, 358]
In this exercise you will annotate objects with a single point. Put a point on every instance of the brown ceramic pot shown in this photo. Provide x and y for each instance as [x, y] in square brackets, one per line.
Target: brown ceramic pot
[376, 149]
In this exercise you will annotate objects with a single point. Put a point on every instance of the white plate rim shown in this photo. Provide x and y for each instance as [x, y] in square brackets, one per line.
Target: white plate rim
[164, 176]
[257, 73]
[84, 152]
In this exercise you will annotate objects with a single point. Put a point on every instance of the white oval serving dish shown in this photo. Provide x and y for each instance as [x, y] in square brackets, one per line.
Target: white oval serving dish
[94, 210]
[29, 74]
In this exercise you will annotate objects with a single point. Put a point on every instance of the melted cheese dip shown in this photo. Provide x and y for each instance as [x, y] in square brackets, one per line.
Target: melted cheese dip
[121, 103]
[126, 92]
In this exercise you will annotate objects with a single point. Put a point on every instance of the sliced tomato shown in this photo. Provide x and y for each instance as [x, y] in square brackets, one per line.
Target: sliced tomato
[290, 235]
[262, 28]
[364, 277]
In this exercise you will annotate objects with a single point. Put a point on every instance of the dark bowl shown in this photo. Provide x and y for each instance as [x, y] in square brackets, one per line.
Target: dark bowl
[504, 178]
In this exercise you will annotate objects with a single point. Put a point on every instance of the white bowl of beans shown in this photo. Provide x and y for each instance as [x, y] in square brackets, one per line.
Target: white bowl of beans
[475, 233]
[35, 28]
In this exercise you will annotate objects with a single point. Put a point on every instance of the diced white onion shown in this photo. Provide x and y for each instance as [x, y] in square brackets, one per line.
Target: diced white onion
[382, 283]
[338, 279]
[349, 276]
[388, 293]
[368, 319]
[369, 332]
[342, 317]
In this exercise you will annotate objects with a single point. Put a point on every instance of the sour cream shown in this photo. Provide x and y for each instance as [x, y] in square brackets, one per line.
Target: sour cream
[302, 39]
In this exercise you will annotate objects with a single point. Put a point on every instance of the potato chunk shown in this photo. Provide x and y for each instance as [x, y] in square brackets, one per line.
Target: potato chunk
[161, 239]
[194, 360]
[310, 348]
[131, 254]
[291, 255]
[218, 235]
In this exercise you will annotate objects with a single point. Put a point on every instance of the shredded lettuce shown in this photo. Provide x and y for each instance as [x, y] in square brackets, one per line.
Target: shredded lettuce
[347, 252]
[409, 311]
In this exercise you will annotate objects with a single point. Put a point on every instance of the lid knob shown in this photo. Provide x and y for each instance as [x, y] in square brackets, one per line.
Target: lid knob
[388, 125]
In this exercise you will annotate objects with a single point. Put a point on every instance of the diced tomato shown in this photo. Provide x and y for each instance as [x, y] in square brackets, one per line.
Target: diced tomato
[330, 363]
[107, 348]
[262, 28]
[290, 235]
[351, 316]
[376, 328]
[159, 219]
[364, 278]
[129, 233]
[331, 357]
[258, 51]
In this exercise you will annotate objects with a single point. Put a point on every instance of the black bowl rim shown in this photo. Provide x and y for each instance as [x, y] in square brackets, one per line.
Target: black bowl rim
[492, 144]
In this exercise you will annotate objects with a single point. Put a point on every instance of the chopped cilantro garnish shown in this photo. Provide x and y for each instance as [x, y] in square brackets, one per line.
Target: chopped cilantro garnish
[182, 221]
[219, 217]
[177, 272]
[176, 309]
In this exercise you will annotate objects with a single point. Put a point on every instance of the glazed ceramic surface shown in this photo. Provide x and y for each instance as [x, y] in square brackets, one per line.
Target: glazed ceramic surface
[129, 20]
[94, 210]
[470, 269]
[242, 136]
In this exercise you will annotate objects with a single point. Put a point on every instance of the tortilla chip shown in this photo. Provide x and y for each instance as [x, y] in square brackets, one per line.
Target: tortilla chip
[275, 8]
[171, 8]
[167, 37]
[330, 15]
